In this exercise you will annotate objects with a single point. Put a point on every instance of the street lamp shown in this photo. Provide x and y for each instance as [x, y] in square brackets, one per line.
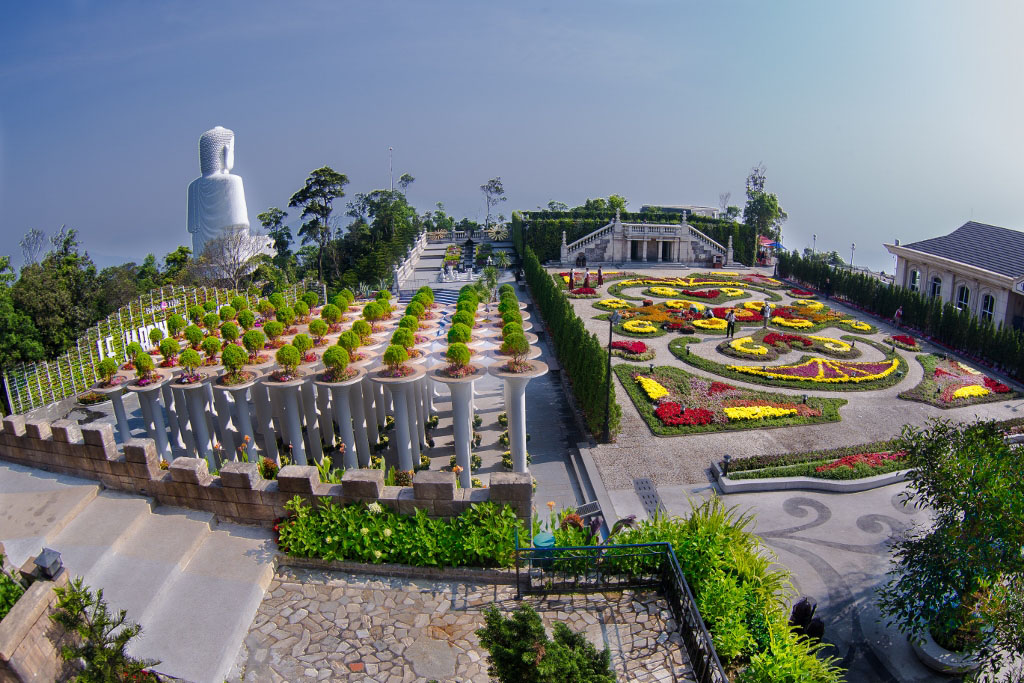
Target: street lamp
[613, 320]
[853, 248]
[814, 244]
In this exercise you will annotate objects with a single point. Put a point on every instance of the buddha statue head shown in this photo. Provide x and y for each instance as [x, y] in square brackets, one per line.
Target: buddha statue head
[216, 151]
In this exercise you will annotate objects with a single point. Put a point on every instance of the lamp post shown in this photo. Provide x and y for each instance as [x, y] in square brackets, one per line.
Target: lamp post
[853, 248]
[613, 320]
[814, 244]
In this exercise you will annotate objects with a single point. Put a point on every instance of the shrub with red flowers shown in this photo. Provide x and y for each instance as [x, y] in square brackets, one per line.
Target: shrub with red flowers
[905, 339]
[705, 294]
[630, 346]
[580, 291]
[718, 387]
[671, 413]
[777, 338]
[802, 293]
[744, 315]
[870, 459]
[996, 386]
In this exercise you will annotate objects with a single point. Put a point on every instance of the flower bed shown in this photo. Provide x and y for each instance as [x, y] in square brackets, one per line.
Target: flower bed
[802, 293]
[698, 287]
[844, 464]
[672, 401]
[632, 350]
[770, 345]
[583, 293]
[905, 342]
[639, 328]
[612, 304]
[949, 383]
[810, 373]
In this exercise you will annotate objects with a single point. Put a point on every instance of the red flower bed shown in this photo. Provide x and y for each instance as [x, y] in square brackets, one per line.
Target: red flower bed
[775, 338]
[996, 386]
[630, 346]
[717, 388]
[706, 294]
[870, 459]
[905, 339]
[742, 314]
[583, 290]
[796, 291]
[671, 413]
[939, 372]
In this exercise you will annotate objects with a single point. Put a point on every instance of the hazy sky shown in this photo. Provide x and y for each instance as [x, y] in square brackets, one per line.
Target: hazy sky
[876, 120]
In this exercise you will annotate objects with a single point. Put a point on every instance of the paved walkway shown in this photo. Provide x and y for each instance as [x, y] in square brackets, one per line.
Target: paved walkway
[320, 625]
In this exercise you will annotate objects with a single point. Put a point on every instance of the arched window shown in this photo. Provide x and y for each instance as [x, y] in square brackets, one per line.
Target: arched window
[915, 281]
[936, 286]
[988, 305]
[963, 297]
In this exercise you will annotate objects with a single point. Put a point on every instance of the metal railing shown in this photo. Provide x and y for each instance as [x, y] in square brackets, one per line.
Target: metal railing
[590, 569]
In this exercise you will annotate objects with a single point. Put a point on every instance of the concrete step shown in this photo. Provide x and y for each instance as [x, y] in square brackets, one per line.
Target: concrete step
[148, 557]
[197, 624]
[98, 530]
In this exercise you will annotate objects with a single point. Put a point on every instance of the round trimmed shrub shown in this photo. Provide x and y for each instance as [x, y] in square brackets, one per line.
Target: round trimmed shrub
[507, 306]
[394, 356]
[144, 365]
[382, 295]
[209, 305]
[228, 313]
[254, 340]
[466, 307]
[330, 314]
[506, 289]
[190, 360]
[409, 322]
[211, 347]
[427, 292]
[349, 296]
[273, 329]
[277, 299]
[155, 335]
[265, 308]
[169, 348]
[288, 357]
[246, 319]
[211, 321]
[233, 358]
[175, 324]
[362, 328]
[106, 369]
[511, 328]
[459, 334]
[349, 341]
[286, 315]
[239, 303]
[311, 299]
[373, 311]
[515, 345]
[301, 309]
[467, 289]
[415, 308]
[134, 350]
[512, 317]
[303, 343]
[336, 359]
[229, 331]
[465, 318]
[318, 328]
[404, 338]
[458, 354]
[196, 313]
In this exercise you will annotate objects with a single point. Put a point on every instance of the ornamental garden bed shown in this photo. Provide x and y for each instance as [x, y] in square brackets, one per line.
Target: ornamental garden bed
[769, 345]
[845, 463]
[809, 372]
[674, 402]
[805, 315]
[948, 383]
[639, 328]
[905, 342]
[632, 350]
[728, 288]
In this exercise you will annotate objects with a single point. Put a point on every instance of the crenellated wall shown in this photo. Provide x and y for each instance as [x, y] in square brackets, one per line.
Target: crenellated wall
[238, 493]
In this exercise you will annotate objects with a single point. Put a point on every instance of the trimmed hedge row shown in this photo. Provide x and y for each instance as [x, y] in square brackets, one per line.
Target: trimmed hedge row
[584, 358]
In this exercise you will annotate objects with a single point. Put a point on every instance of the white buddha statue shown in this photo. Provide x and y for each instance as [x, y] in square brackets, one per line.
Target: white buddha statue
[216, 200]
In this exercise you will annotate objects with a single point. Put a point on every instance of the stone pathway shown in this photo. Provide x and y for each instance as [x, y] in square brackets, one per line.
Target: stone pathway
[316, 625]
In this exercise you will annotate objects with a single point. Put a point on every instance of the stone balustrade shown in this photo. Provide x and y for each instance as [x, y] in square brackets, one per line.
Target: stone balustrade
[238, 493]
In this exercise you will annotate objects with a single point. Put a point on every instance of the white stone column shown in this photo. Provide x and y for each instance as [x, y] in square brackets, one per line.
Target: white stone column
[176, 442]
[369, 392]
[265, 420]
[359, 423]
[462, 419]
[400, 388]
[658, 242]
[517, 408]
[153, 412]
[344, 396]
[308, 398]
[196, 402]
[222, 421]
[412, 406]
[286, 395]
[114, 393]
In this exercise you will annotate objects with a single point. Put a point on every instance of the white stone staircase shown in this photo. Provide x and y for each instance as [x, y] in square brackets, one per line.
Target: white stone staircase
[192, 583]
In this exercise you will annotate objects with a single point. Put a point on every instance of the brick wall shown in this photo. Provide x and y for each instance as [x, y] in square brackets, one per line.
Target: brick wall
[239, 493]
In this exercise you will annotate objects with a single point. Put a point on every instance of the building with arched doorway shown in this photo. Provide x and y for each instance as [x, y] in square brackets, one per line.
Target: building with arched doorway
[977, 267]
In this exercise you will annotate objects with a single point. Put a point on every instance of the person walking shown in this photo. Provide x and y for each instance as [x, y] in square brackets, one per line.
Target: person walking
[600, 276]
[766, 312]
[898, 317]
[730, 319]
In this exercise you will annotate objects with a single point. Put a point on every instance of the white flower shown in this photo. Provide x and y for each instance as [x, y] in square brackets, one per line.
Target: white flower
[387, 532]
[377, 554]
[364, 531]
[328, 539]
[375, 508]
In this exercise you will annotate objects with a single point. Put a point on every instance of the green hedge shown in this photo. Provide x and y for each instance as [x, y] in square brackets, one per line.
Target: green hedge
[584, 358]
[1001, 346]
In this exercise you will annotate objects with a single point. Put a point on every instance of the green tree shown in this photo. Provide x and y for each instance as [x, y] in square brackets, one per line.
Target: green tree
[316, 199]
[762, 210]
[617, 201]
[494, 194]
[280, 234]
[177, 266]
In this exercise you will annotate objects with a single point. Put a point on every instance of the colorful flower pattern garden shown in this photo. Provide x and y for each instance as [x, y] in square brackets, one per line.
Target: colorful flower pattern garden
[949, 383]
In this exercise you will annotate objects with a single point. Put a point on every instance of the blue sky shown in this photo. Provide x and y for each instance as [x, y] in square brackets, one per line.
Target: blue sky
[876, 120]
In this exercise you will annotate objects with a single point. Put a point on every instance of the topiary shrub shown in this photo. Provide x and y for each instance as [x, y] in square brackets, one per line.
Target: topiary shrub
[254, 341]
[409, 322]
[507, 306]
[394, 357]
[209, 305]
[211, 321]
[273, 329]
[211, 347]
[233, 358]
[169, 349]
[175, 324]
[239, 303]
[458, 354]
[155, 336]
[511, 328]
[194, 336]
[288, 357]
[318, 328]
[277, 300]
[311, 299]
[265, 308]
[350, 341]
[303, 343]
[415, 309]
[330, 314]
[467, 306]
[512, 317]
[373, 311]
[228, 313]
[382, 295]
[363, 329]
[336, 361]
[196, 313]
[349, 296]
[106, 369]
[246, 319]
[133, 351]
[286, 315]
[427, 292]
[229, 331]
[459, 334]
[144, 366]
[301, 309]
[190, 360]
[515, 345]
[404, 338]
[465, 318]
[506, 289]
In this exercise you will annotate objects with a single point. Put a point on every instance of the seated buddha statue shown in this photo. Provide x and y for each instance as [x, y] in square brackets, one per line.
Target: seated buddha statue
[216, 200]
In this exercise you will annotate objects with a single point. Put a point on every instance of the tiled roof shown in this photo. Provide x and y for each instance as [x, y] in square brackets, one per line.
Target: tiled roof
[1000, 250]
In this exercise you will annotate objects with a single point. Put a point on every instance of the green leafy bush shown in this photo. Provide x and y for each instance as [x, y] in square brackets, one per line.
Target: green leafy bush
[10, 591]
[350, 341]
[301, 309]
[427, 292]
[175, 324]
[403, 337]
[395, 356]
[464, 318]
[336, 359]
[133, 350]
[211, 347]
[211, 321]
[303, 343]
[239, 303]
[155, 336]
[466, 306]
[511, 328]
[512, 317]
[516, 346]
[229, 331]
[331, 314]
[246, 319]
[363, 329]
[310, 299]
[106, 369]
[169, 348]
[277, 299]
[209, 305]
[373, 311]
[265, 308]
[144, 365]
[482, 536]
[190, 360]
[458, 354]
[409, 322]
[415, 309]
[318, 328]
[196, 313]
[285, 315]
[233, 358]
[349, 296]
[274, 329]
[254, 341]
[228, 313]
[288, 357]
[194, 336]
[459, 334]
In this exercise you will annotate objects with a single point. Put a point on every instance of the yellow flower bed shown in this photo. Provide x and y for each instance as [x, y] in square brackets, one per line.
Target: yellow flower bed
[732, 291]
[857, 325]
[757, 412]
[755, 305]
[971, 391]
[652, 388]
[968, 370]
[809, 305]
[839, 371]
[792, 322]
[639, 327]
[748, 345]
[664, 291]
[614, 303]
[680, 304]
[710, 324]
[832, 344]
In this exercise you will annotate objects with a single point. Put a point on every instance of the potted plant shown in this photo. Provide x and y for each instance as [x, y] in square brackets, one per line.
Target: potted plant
[363, 329]
[194, 336]
[254, 341]
[415, 309]
[458, 356]
[464, 318]
[409, 322]
[227, 313]
[303, 344]
[239, 303]
[246, 319]
[373, 312]
[956, 581]
[331, 315]
[274, 329]
[234, 358]
[107, 369]
[311, 300]
[266, 309]
[175, 324]
[196, 313]
[350, 341]
[277, 299]
[229, 332]
[511, 328]
[288, 357]
[301, 311]
[169, 349]
[156, 335]
[318, 328]
[459, 334]
[336, 361]
[406, 339]
[516, 346]
[211, 347]
[211, 321]
[131, 352]
[190, 361]
[286, 316]
[145, 370]
[394, 362]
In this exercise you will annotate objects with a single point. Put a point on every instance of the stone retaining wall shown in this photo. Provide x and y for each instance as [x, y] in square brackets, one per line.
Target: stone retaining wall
[239, 493]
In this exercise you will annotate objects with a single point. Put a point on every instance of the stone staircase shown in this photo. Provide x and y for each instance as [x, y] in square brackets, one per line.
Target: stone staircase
[192, 583]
